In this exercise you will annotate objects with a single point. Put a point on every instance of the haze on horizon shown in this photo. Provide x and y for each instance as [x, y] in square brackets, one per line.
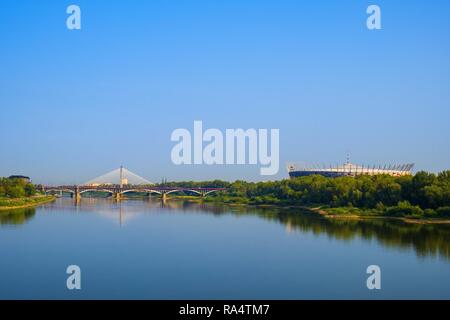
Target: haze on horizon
[77, 104]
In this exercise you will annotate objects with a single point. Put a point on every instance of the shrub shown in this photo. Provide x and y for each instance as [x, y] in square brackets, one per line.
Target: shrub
[403, 209]
[430, 213]
[443, 212]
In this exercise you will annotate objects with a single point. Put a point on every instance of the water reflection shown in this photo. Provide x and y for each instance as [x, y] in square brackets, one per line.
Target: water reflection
[17, 216]
[427, 240]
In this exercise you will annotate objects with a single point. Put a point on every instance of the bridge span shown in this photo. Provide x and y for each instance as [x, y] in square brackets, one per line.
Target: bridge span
[118, 191]
[121, 181]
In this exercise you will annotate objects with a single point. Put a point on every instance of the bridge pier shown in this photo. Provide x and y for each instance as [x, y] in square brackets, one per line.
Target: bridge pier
[77, 193]
[117, 195]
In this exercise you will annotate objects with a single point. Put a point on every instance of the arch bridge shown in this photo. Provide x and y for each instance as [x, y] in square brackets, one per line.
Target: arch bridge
[117, 191]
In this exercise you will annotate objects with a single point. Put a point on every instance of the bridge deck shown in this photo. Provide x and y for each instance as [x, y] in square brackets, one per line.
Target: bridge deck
[116, 189]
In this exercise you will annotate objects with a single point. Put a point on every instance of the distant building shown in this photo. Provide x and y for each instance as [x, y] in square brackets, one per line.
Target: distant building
[23, 178]
[349, 169]
[96, 184]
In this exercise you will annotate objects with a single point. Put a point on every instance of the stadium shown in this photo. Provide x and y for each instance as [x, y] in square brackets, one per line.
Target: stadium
[348, 169]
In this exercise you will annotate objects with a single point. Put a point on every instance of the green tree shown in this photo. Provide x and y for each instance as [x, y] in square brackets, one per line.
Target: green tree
[30, 190]
[15, 191]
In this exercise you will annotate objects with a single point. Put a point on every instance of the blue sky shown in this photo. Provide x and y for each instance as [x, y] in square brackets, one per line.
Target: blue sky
[76, 104]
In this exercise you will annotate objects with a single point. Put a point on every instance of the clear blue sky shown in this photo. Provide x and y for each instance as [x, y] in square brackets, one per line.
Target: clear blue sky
[76, 104]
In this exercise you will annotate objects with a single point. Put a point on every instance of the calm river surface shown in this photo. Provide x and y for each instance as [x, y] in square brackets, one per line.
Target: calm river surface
[141, 249]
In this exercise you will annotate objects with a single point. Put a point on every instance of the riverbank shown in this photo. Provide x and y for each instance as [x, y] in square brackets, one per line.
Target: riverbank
[25, 202]
[357, 213]
[326, 211]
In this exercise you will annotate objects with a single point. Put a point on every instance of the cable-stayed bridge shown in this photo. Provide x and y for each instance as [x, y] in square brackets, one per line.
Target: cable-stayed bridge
[121, 181]
[120, 176]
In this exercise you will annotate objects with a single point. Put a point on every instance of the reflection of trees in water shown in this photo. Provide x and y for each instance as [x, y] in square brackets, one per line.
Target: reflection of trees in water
[425, 239]
[16, 216]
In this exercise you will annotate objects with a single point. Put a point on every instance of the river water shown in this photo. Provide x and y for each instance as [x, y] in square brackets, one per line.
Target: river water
[144, 249]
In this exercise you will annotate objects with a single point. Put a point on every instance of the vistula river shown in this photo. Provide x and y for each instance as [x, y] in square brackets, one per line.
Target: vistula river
[143, 249]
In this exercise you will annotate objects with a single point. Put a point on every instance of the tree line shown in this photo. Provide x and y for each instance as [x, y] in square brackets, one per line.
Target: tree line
[416, 195]
[16, 188]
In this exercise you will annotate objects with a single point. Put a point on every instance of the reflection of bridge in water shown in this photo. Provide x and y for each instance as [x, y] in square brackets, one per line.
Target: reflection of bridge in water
[129, 209]
[121, 181]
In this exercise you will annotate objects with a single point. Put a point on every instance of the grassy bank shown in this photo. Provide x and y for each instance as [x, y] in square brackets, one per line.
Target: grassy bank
[23, 202]
[358, 213]
[403, 211]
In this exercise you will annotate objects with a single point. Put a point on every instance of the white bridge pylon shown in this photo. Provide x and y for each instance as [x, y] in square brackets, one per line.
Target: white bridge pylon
[118, 176]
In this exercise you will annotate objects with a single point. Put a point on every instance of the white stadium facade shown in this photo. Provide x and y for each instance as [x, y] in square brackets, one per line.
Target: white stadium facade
[349, 169]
